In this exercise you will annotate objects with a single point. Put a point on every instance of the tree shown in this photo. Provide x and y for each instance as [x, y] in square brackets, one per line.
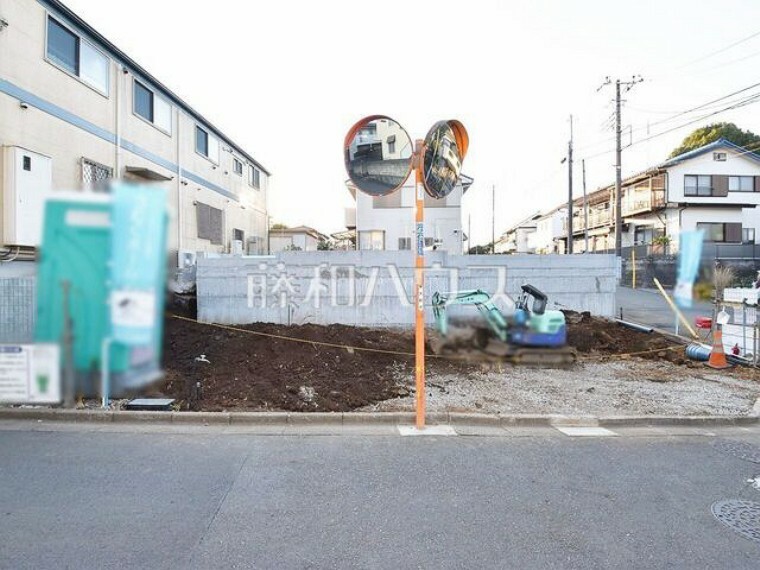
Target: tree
[324, 245]
[711, 133]
[279, 227]
[481, 249]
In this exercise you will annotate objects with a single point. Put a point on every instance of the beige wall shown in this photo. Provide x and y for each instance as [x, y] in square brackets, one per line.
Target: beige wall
[42, 128]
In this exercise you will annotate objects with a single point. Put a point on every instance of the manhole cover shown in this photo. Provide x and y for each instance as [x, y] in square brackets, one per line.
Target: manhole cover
[739, 449]
[741, 516]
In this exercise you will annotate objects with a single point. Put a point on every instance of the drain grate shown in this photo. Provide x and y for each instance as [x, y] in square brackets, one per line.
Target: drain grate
[739, 449]
[741, 516]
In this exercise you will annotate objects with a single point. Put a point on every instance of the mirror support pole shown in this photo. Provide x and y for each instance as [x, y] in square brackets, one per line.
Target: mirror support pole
[419, 337]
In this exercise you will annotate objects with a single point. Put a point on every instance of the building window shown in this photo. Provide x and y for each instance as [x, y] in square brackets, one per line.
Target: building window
[206, 144]
[741, 183]
[237, 167]
[95, 176]
[748, 235]
[405, 243]
[697, 185]
[373, 239]
[719, 156]
[722, 232]
[391, 144]
[254, 177]
[238, 235]
[27, 163]
[210, 223]
[71, 53]
[152, 108]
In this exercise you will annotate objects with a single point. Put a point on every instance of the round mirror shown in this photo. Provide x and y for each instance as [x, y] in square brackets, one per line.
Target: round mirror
[378, 155]
[445, 147]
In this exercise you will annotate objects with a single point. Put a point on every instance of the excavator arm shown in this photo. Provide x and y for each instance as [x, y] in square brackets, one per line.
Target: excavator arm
[477, 297]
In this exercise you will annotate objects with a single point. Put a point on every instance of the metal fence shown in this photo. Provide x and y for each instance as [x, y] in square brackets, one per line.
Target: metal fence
[17, 309]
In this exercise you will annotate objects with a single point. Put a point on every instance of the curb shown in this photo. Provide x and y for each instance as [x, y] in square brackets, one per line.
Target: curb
[368, 418]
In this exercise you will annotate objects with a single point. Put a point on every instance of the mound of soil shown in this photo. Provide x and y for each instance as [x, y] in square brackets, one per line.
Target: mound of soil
[243, 371]
[596, 336]
[254, 373]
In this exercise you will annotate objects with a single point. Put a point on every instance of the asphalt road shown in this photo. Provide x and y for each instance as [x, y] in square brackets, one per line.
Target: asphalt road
[76, 497]
[647, 306]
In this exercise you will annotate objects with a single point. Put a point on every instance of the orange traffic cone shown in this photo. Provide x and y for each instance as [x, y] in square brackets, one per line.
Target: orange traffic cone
[717, 354]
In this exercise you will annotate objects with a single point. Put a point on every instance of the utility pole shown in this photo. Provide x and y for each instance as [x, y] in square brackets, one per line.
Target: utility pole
[493, 218]
[570, 190]
[585, 207]
[618, 152]
[469, 233]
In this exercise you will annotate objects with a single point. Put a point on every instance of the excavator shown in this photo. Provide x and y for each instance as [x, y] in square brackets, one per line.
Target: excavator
[533, 335]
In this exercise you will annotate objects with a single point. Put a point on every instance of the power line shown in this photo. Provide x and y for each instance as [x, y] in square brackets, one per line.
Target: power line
[708, 105]
[747, 101]
[744, 103]
[721, 50]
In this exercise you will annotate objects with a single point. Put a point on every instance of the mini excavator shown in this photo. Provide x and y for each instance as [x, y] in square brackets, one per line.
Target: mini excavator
[533, 335]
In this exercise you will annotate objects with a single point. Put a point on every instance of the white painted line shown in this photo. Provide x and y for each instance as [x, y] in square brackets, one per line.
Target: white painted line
[577, 431]
[427, 430]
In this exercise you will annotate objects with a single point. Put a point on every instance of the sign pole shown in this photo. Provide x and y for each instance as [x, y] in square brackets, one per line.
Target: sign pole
[419, 273]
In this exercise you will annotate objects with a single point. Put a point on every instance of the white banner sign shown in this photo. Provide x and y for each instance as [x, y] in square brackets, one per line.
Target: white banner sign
[30, 374]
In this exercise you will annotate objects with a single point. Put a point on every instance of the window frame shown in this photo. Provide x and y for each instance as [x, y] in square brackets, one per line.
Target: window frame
[154, 95]
[235, 163]
[99, 186]
[371, 232]
[49, 16]
[698, 195]
[209, 135]
[254, 177]
[739, 177]
[748, 230]
[707, 236]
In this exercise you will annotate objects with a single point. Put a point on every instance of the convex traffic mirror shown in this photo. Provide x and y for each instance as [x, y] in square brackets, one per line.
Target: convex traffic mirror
[445, 147]
[378, 154]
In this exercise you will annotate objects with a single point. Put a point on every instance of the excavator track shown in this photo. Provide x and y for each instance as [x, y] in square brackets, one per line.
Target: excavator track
[474, 344]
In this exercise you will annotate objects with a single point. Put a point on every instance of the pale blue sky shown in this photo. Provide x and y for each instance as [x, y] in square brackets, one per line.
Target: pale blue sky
[286, 79]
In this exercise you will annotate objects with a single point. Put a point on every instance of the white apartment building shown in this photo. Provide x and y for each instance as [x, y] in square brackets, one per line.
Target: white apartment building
[715, 188]
[76, 111]
[387, 222]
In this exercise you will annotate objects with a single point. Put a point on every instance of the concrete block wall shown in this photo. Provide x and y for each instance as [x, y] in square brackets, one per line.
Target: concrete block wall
[316, 287]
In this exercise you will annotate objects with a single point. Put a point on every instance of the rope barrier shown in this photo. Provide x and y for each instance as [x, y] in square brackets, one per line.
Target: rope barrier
[396, 352]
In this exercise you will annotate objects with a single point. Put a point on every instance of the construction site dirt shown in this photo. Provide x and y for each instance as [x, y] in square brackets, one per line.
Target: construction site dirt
[260, 367]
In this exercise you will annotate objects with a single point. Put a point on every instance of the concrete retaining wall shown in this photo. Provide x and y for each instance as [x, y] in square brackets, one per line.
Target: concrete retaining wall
[373, 288]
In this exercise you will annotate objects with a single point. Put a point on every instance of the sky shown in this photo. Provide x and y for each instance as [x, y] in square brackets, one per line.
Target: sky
[286, 79]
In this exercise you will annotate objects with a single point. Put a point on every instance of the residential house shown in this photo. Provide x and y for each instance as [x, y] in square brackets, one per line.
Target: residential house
[715, 188]
[76, 111]
[301, 238]
[387, 222]
[549, 231]
[516, 239]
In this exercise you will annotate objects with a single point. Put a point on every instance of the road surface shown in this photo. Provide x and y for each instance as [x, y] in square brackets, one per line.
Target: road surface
[73, 496]
[646, 306]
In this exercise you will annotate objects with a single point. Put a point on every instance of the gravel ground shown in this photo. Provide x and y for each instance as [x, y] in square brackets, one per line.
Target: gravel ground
[629, 387]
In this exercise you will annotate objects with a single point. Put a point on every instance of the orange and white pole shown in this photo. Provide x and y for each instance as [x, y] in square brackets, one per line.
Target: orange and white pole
[419, 289]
